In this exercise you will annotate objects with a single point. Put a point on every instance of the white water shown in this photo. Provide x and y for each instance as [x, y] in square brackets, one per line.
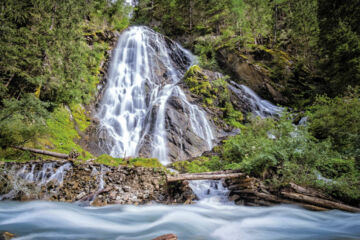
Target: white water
[50, 220]
[210, 192]
[259, 106]
[143, 75]
[33, 173]
[46, 174]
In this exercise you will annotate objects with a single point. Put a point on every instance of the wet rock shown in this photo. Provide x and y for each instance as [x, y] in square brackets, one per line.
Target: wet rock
[7, 236]
[170, 236]
[183, 143]
[80, 195]
[251, 75]
[104, 185]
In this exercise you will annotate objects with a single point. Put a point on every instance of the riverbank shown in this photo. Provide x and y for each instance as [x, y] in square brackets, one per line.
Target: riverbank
[99, 185]
[89, 183]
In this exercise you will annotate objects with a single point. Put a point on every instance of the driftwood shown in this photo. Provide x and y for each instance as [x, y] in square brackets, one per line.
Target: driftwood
[319, 202]
[218, 172]
[71, 155]
[251, 192]
[206, 176]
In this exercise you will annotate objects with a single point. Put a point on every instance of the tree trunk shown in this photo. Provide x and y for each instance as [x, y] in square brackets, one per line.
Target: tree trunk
[191, 14]
[320, 202]
[206, 176]
[43, 152]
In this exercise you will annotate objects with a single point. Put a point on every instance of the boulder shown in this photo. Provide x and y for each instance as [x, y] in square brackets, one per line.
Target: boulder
[170, 236]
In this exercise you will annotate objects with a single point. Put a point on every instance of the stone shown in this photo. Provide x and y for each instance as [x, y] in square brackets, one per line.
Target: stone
[170, 236]
[113, 194]
[141, 186]
[8, 236]
[80, 195]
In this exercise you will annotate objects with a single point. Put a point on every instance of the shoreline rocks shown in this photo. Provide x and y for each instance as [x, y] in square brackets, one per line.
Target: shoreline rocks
[88, 183]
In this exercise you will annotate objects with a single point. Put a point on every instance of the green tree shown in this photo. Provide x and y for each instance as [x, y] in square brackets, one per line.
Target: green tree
[340, 43]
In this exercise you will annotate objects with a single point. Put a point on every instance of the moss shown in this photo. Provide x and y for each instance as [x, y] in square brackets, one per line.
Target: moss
[233, 117]
[199, 84]
[109, 161]
[214, 94]
[136, 162]
[61, 134]
[200, 164]
[81, 116]
[145, 162]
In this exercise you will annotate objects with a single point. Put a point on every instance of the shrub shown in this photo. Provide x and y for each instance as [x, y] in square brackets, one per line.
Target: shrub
[280, 152]
[338, 120]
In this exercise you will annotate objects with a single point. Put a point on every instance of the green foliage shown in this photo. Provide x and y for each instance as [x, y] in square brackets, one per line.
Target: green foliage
[137, 162]
[109, 161]
[61, 134]
[206, 52]
[279, 152]
[46, 60]
[214, 93]
[200, 164]
[232, 116]
[291, 154]
[338, 119]
[21, 120]
[340, 43]
[336, 167]
[145, 162]
[80, 116]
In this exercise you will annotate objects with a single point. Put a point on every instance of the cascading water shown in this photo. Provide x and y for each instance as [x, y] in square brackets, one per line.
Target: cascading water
[258, 106]
[210, 191]
[144, 71]
[33, 175]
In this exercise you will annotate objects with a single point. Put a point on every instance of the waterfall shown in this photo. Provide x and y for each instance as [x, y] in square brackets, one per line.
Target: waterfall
[144, 72]
[258, 106]
[31, 177]
[210, 191]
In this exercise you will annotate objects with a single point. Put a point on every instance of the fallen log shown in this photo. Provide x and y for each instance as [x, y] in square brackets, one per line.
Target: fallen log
[72, 155]
[199, 176]
[218, 172]
[320, 202]
[307, 191]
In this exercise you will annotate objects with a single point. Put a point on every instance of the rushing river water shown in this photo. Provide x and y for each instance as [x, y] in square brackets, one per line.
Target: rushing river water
[50, 220]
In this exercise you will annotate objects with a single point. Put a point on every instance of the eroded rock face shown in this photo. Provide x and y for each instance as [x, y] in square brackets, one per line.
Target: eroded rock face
[183, 143]
[250, 75]
[88, 183]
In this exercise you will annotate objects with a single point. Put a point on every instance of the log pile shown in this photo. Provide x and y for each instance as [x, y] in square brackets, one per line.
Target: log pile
[248, 191]
[252, 192]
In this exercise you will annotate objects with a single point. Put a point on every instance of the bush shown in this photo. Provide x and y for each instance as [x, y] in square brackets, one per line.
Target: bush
[280, 152]
[338, 120]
